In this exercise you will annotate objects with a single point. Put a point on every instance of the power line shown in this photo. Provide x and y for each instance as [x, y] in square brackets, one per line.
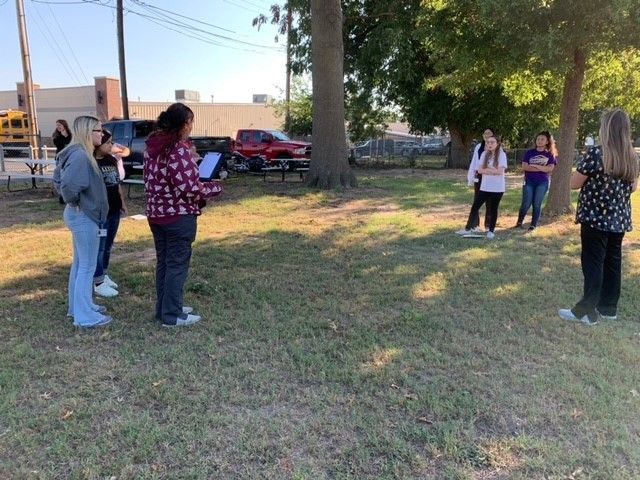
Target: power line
[194, 36]
[223, 37]
[239, 6]
[64, 36]
[55, 46]
[164, 22]
[182, 16]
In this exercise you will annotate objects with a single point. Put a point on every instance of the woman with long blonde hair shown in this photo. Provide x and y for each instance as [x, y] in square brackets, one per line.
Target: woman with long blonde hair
[606, 176]
[78, 179]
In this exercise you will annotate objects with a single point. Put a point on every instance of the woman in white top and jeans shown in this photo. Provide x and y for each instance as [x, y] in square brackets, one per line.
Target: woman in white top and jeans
[492, 166]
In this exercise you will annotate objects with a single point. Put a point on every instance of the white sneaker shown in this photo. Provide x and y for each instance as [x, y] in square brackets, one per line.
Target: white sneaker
[491, 235]
[110, 283]
[183, 322]
[477, 230]
[105, 290]
[464, 231]
[567, 314]
[187, 310]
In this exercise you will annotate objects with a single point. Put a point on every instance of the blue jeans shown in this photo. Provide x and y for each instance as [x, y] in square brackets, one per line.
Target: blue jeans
[173, 254]
[104, 252]
[85, 251]
[532, 193]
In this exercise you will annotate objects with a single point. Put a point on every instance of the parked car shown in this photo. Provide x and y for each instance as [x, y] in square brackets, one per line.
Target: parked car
[374, 147]
[272, 146]
[132, 134]
[435, 146]
[406, 148]
[207, 144]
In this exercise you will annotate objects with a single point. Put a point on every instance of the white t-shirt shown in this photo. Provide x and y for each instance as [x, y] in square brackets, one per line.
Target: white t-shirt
[494, 183]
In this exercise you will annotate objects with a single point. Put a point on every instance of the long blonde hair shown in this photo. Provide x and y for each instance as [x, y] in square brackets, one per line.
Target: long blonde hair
[619, 158]
[83, 127]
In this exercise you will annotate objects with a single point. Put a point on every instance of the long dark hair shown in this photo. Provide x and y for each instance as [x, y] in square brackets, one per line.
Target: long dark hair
[551, 143]
[170, 123]
[64, 123]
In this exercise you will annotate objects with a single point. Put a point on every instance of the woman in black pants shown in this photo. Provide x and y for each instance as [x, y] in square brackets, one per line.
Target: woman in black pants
[491, 166]
[175, 197]
[606, 177]
[474, 179]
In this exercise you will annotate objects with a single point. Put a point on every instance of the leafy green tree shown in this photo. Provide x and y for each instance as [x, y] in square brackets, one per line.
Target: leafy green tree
[300, 109]
[480, 41]
[612, 80]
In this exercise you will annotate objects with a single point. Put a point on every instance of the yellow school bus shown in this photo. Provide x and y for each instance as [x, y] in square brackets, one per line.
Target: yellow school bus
[14, 128]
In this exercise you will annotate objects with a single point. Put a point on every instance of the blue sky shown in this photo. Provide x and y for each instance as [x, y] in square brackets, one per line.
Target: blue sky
[72, 41]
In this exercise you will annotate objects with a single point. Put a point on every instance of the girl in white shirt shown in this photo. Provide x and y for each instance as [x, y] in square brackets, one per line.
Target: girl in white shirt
[474, 179]
[492, 165]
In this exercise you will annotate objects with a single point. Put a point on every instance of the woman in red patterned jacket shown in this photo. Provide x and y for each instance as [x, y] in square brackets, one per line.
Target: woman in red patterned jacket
[175, 196]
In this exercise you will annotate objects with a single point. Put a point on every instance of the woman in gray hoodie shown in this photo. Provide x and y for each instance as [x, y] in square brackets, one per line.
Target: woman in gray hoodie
[79, 181]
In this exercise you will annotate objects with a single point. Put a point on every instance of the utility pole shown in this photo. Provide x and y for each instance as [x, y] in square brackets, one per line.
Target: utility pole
[287, 94]
[123, 68]
[28, 79]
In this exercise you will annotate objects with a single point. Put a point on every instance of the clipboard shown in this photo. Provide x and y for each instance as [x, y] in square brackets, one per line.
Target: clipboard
[210, 166]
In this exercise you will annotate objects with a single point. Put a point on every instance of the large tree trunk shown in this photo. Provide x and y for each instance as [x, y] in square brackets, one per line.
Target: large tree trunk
[459, 154]
[329, 166]
[559, 202]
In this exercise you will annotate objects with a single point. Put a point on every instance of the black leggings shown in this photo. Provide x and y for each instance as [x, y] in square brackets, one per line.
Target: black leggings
[492, 200]
[487, 218]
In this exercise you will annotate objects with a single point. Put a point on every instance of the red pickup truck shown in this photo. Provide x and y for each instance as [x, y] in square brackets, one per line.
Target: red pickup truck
[273, 147]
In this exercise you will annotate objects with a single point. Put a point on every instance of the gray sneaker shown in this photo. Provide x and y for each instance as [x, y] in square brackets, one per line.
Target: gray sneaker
[567, 314]
[186, 310]
[183, 322]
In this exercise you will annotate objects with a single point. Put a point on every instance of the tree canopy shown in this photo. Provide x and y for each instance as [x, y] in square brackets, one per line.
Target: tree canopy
[462, 65]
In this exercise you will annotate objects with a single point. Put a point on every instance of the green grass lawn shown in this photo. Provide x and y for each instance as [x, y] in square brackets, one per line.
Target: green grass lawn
[345, 336]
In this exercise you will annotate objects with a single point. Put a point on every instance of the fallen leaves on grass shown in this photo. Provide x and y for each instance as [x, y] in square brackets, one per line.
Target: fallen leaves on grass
[66, 415]
[574, 475]
[576, 414]
[426, 419]
[159, 383]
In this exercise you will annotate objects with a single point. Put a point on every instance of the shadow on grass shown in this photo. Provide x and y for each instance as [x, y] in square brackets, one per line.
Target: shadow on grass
[402, 356]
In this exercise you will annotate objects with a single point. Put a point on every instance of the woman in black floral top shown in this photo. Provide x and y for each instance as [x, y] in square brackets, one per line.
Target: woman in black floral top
[606, 176]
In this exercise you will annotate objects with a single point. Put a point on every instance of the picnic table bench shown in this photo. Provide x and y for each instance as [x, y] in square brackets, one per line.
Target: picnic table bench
[284, 166]
[133, 181]
[37, 171]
